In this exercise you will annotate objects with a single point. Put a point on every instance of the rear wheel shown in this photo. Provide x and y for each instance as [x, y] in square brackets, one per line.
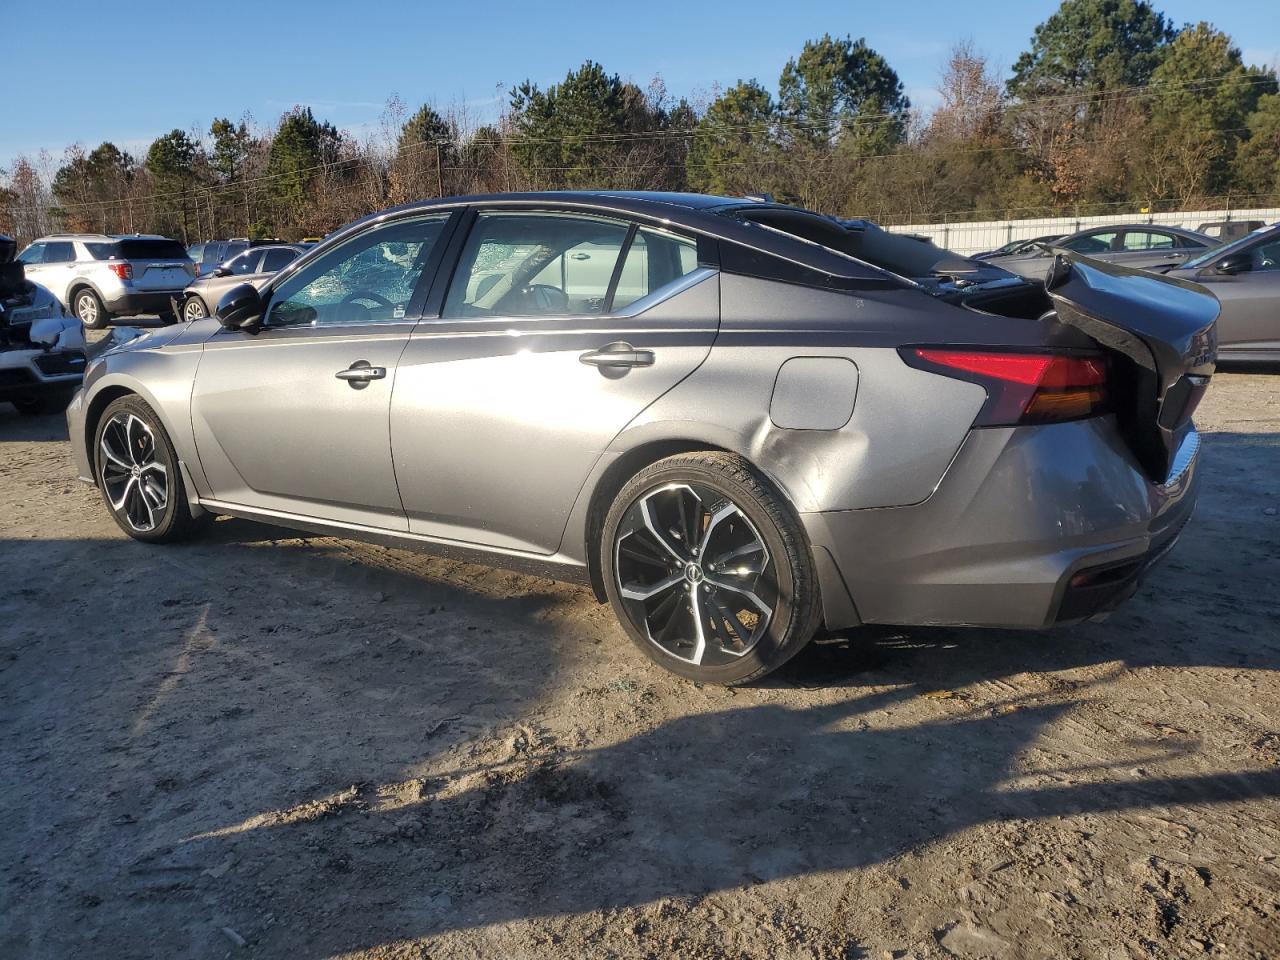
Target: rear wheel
[88, 306]
[707, 567]
[137, 472]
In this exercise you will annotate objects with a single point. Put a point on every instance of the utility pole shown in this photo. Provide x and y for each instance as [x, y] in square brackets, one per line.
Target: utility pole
[439, 172]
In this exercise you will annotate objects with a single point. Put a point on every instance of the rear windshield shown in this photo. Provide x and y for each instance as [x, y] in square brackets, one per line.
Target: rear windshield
[903, 255]
[150, 250]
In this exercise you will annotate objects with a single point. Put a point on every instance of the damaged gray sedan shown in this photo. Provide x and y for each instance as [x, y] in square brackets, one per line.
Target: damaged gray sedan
[738, 422]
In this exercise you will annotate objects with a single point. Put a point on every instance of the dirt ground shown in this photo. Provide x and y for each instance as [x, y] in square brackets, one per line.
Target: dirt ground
[261, 745]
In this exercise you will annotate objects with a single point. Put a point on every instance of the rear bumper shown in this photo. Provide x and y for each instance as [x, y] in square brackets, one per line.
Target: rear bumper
[33, 373]
[1031, 526]
[132, 302]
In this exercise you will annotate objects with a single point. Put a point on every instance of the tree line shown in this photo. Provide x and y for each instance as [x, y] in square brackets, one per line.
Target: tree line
[1110, 108]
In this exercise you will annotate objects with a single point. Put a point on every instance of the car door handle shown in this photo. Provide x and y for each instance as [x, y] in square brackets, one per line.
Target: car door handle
[360, 373]
[617, 354]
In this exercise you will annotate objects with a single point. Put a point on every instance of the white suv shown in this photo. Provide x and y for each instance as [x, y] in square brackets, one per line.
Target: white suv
[99, 277]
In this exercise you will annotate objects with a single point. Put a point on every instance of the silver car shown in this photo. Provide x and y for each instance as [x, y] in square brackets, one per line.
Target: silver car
[255, 265]
[1138, 245]
[737, 421]
[1245, 277]
[99, 277]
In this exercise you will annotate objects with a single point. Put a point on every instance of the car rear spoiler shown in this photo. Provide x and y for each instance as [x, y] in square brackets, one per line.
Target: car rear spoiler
[1164, 326]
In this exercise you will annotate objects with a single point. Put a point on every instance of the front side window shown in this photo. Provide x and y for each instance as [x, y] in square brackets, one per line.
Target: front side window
[1266, 256]
[1092, 243]
[33, 254]
[368, 279]
[654, 260]
[536, 265]
[245, 263]
[59, 252]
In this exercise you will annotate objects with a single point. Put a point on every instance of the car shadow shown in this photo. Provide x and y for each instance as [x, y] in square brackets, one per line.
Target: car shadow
[334, 747]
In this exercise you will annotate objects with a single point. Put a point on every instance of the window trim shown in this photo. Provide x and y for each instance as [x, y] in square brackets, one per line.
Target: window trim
[413, 312]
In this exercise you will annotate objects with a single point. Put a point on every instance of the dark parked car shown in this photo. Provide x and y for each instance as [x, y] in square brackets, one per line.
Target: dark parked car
[1141, 246]
[211, 254]
[1245, 277]
[1224, 231]
[737, 421]
[1014, 247]
[252, 266]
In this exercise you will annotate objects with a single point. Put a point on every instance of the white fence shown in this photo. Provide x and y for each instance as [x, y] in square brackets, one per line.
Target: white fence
[971, 238]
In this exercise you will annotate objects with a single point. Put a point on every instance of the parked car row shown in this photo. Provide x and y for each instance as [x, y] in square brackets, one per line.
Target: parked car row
[99, 278]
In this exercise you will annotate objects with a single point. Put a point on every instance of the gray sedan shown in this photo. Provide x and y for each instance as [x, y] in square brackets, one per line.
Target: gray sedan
[1141, 246]
[736, 421]
[1245, 277]
[255, 265]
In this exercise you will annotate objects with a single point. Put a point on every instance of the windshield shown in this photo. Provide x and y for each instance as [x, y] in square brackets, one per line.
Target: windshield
[1213, 253]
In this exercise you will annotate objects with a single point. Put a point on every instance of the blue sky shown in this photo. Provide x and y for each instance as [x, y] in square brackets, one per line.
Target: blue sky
[89, 71]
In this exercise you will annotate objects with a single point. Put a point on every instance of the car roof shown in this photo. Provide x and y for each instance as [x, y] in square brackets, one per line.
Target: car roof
[101, 237]
[1149, 227]
[698, 213]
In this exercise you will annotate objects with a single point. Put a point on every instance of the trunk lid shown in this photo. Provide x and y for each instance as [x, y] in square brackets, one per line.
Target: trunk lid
[1163, 329]
[158, 263]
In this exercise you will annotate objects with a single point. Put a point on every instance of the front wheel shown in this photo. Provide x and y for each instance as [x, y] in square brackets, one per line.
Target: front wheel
[708, 569]
[137, 472]
[194, 309]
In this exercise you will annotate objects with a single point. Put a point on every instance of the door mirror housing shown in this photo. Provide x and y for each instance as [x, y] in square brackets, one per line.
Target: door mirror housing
[1236, 263]
[241, 308]
[221, 272]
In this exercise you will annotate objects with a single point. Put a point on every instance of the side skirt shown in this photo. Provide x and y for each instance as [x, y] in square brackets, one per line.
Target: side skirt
[553, 566]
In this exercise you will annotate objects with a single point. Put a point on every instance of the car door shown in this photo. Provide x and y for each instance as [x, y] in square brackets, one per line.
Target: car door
[1143, 249]
[1250, 298]
[57, 267]
[558, 329]
[293, 418]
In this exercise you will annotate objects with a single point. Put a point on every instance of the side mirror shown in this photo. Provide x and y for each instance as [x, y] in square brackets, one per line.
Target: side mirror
[241, 308]
[221, 272]
[1236, 263]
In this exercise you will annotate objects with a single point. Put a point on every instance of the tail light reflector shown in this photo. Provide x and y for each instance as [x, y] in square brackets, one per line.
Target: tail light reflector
[1023, 388]
[122, 269]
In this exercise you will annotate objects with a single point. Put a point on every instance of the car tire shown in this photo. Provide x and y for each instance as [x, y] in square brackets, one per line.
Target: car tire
[193, 308]
[89, 309]
[136, 470]
[754, 615]
[42, 406]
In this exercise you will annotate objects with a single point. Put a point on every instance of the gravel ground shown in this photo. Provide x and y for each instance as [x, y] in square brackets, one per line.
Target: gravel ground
[261, 745]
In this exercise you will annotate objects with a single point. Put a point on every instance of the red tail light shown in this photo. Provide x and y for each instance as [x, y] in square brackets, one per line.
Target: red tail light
[197, 266]
[1023, 387]
[122, 270]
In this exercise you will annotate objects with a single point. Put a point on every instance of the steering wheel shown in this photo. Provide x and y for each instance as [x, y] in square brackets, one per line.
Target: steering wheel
[366, 295]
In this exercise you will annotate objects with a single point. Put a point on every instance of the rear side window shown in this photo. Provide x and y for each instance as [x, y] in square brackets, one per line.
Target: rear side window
[536, 265]
[654, 260]
[59, 252]
[274, 260]
[230, 250]
[146, 249]
[101, 251]
[1147, 240]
